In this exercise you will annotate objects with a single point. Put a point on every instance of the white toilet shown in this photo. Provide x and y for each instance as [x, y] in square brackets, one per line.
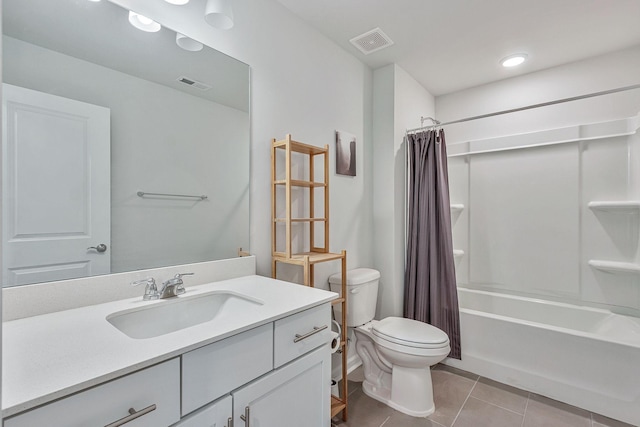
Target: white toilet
[396, 353]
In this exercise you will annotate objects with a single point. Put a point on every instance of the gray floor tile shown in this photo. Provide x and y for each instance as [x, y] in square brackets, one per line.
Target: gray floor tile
[398, 419]
[502, 395]
[476, 413]
[365, 412]
[602, 421]
[544, 412]
[449, 393]
[456, 371]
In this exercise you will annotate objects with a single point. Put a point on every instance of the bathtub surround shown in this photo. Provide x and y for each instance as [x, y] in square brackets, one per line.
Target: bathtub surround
[539, 218]
[583, 356]
[526, 181]
[430, 283]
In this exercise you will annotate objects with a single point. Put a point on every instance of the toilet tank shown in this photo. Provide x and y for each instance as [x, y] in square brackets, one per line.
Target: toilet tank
[362, 295]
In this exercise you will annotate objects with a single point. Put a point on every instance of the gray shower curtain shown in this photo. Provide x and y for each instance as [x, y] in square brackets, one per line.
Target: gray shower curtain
[430, 283]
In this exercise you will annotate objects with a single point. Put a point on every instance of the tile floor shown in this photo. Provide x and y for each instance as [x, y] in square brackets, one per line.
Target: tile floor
[467, 400]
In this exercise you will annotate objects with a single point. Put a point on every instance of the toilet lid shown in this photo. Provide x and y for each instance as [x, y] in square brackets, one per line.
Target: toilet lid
[410, 333]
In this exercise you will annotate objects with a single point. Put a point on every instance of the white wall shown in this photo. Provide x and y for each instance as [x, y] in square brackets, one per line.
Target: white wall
[304, 85]
[399, 101]
[1, 160]
[162, 140]
[526, 227]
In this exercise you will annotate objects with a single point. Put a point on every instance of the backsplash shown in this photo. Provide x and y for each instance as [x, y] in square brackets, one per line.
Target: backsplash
[32, 300]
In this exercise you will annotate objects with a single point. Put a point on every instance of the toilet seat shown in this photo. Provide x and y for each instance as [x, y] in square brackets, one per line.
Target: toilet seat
[410, 333]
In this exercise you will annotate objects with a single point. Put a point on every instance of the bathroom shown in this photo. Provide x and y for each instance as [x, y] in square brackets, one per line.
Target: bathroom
[304, 84]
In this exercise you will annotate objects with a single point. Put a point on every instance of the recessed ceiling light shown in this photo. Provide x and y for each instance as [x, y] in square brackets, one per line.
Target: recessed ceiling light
[188, 44]
[143, 23]
[178, 2]
[513, 60]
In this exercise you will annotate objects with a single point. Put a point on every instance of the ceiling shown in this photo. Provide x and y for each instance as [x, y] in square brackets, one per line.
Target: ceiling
[450, 45]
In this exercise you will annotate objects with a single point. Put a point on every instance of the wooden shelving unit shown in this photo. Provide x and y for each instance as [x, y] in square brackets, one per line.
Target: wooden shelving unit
[318, 244]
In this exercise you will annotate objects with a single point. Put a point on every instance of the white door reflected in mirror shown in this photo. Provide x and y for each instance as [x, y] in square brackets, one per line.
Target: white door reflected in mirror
[56, 191]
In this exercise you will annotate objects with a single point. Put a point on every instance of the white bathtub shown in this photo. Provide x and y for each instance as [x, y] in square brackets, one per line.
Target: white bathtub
[583, 356]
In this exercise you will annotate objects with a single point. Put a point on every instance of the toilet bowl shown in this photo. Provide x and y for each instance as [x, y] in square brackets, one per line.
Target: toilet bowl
[396, 353]
[397, 372]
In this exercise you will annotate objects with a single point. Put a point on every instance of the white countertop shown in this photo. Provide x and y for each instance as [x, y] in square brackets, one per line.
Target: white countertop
[53, 355]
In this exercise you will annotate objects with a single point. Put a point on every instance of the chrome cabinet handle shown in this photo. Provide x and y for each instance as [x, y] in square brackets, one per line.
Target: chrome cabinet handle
[100, 248]
[315, 330]
[132, 416]
[245, 417]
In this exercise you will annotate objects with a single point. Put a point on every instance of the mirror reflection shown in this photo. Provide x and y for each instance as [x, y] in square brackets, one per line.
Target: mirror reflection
[96, 111]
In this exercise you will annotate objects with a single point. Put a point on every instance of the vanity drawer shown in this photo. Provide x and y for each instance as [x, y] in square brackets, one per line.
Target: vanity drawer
[155, 389]
[212, 371]
[300, 333]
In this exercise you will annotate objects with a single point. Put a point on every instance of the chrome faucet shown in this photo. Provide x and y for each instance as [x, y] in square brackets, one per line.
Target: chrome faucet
[173, 287]
[150, 290]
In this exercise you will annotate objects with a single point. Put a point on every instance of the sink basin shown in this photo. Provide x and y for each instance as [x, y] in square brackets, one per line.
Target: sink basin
[172, 315]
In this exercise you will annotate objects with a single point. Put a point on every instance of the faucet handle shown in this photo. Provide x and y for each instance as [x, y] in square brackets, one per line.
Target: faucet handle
[178, 278]
[147, 281]
[150, 291]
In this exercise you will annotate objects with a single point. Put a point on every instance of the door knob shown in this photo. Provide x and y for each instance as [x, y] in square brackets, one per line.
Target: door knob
[100, 248]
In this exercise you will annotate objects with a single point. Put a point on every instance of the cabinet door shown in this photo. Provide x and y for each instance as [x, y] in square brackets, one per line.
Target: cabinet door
[214, 370]
[216, 414]
[153, 394]
[293, 396]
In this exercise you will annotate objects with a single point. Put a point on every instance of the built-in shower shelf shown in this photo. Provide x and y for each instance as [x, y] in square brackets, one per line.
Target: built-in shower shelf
[457, 208]
[458, 253]
[626, 207]
[615, 267]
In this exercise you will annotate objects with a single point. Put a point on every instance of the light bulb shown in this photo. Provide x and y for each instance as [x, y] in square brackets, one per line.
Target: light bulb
[513, 60]
[143, 23]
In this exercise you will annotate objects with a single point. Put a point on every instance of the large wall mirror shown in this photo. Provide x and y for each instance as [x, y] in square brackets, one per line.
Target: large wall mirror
[121, 150]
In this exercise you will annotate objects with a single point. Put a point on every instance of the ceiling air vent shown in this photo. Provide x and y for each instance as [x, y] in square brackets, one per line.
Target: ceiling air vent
[194, 83]
[371, 41]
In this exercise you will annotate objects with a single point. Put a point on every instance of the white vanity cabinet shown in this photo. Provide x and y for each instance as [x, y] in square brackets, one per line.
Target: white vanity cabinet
[274, 374]
[295, 395]
[153, 394]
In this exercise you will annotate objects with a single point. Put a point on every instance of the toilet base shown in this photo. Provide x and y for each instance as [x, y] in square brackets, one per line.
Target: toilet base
[411, 391]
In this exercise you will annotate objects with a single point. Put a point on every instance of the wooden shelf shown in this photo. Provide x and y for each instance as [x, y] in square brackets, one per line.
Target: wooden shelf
[314, 257]
[301, 220]
[318, 239]
[300, 147]
[337, 405]
[300, 183]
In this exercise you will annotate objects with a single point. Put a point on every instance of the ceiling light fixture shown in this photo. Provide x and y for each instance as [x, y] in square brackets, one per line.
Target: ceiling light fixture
[143, 23]
[188, 43]
[177, 2]
[513, 60]
[218, 14]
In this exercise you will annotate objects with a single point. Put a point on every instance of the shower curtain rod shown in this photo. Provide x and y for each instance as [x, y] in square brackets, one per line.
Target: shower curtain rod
[437, 123]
